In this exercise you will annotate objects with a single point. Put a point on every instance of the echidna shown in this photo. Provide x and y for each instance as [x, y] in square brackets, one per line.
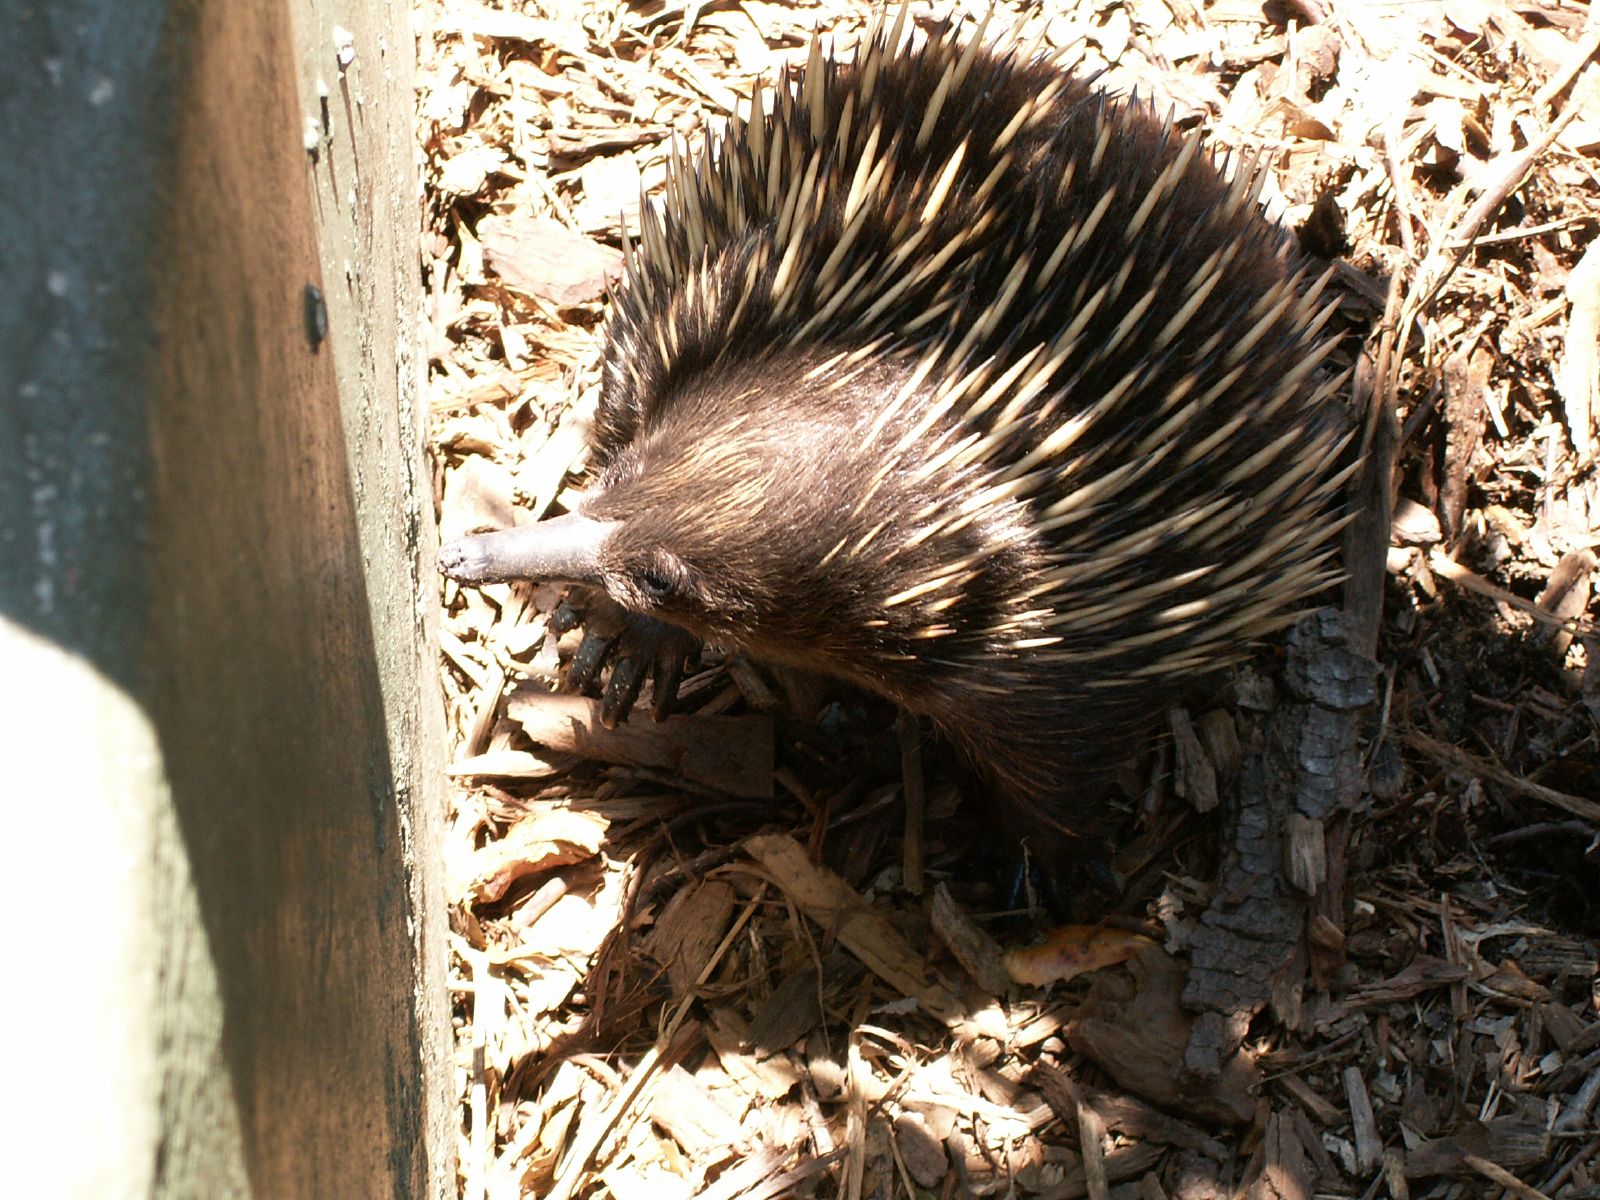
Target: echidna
[956, 378]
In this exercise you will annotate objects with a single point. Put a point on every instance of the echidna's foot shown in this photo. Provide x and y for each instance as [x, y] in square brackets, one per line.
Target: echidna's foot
[632, 646]
[1075, 871]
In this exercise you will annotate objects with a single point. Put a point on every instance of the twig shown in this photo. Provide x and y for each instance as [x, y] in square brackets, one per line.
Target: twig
[1458, 759]
[1366, 539]
[1503, 1177]
[1588, 48]
[1448, 568]
[660, 1055]
[1368, 534]
[1442, 261]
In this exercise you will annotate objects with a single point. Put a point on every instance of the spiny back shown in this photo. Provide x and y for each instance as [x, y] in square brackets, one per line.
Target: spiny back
[1090, 318]
[956, 378]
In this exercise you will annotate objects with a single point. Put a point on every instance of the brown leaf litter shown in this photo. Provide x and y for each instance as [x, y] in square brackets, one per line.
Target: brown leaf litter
[744, 954]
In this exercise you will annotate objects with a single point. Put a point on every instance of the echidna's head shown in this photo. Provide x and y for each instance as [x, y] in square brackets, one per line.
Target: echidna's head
[762, 516]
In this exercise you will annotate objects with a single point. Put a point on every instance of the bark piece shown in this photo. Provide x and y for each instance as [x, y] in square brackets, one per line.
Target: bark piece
[794, 1008]
[731, 754]
[1139, 1039]
[840, 909]
[978, 953]
[923, 1154]
[1307, 769]
[689, 931]
[1465, 378]
[542, 257]
[1363, 1125]
[1286, 1172]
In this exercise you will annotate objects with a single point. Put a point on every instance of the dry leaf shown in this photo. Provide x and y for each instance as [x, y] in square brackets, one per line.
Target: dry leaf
[1071, 950]
[543, 258]
[544, 840]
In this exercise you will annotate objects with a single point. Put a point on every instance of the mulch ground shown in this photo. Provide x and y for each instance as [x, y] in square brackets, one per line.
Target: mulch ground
[750, 952]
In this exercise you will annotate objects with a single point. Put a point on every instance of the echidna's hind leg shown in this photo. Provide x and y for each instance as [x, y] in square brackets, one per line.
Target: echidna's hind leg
[1061, 882]
[633, 647]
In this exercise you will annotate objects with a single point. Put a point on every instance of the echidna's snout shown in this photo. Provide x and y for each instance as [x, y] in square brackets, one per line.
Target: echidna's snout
[564, 549]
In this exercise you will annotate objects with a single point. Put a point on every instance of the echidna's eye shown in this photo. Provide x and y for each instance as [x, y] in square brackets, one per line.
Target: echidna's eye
[653, 583]
[654, 578]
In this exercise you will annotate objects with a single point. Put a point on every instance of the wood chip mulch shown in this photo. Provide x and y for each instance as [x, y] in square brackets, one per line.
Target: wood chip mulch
[749, 952]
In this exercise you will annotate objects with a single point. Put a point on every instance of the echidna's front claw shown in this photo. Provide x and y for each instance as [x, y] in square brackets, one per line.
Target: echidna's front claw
[671, 662]
[589, 658]
[634, 646]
